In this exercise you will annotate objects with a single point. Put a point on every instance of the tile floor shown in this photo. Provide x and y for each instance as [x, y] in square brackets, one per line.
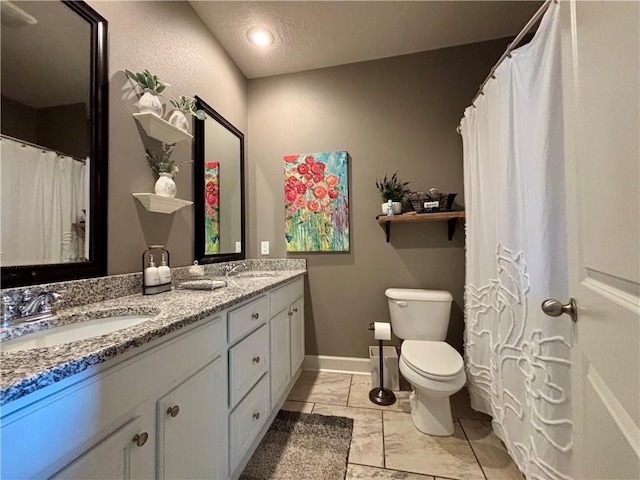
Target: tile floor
[386, 445]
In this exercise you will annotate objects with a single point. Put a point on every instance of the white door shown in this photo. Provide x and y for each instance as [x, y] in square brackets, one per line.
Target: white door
[279, 355]
[192, 426]
[601, 78]
[296, 312]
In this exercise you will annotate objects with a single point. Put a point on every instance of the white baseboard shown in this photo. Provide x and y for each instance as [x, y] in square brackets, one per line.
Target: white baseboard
[326, 363]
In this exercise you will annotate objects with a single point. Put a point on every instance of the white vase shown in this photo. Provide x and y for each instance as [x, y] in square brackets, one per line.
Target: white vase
[165, 185]
[177, 118]
[396, 208]
[149, 102]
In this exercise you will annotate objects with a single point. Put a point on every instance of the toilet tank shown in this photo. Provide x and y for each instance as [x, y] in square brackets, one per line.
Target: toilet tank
[419, 314]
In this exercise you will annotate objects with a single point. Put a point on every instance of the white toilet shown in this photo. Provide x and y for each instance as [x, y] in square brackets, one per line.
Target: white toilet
[434, 368]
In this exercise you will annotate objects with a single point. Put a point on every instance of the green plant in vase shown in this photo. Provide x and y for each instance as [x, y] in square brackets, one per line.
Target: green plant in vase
[392, 189]
[151, 87]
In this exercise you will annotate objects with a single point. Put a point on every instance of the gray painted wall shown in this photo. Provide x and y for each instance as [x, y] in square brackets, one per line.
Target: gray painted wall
[170, 40]
[393, 114]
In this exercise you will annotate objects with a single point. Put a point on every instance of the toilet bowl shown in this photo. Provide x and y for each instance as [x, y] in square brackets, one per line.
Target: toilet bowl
[435, 371]
[434, 368]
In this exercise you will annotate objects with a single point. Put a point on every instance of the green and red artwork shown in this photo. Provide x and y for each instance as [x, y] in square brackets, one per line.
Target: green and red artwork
[317, 202]
[211, 208]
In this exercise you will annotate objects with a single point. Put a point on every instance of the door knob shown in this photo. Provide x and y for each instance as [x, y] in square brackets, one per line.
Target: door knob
[140, 438]
[554, 308]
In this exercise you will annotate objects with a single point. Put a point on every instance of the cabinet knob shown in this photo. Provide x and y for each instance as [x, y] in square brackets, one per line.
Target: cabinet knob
[295, 310]
[256, 415]
[256, 359]
[173, 411]
[255, 316]
[140, 438]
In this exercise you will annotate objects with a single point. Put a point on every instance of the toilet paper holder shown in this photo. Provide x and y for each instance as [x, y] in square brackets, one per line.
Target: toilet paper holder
[381, 395]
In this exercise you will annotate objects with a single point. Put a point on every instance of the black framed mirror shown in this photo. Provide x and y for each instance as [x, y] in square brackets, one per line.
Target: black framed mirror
[218, 188]
[55, 133]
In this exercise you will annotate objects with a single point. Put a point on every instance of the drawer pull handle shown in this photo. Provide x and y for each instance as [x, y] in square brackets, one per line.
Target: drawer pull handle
[256, 415]
[256, 359]
[140, 438]
[255, 316]
[173, 411]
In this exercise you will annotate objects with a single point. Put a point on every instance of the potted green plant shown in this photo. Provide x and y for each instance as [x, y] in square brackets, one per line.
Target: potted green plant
[184, 105]
[392, 190]
[151, 87]
[164, 168]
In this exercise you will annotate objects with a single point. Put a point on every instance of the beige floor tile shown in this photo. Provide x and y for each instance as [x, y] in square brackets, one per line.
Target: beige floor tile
[359, 396]
[491, 452]
[366, 442]
[294, 406]
[361, 472]
[329, 388]
[408, 449]
[460, 407]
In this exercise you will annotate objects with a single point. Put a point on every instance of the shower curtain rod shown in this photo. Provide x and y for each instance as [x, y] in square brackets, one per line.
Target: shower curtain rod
[510, 48]
[40, 147]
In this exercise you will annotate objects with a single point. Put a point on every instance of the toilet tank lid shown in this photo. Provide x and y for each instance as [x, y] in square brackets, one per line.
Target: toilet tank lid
[418, 294]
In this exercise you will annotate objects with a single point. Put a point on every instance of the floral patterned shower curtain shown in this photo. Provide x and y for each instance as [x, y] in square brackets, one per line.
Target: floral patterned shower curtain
[517, 359]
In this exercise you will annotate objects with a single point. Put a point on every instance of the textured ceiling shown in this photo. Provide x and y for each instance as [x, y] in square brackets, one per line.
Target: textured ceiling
[316, 34]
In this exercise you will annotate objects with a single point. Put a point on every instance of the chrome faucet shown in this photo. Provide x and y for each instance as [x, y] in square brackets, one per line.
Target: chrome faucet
[231, 269]
[29, 306]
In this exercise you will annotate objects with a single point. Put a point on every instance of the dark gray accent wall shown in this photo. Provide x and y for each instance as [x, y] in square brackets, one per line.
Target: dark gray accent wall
[392, 114]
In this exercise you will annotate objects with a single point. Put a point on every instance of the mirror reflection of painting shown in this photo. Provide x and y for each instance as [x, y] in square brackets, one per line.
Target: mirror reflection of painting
[46, 135]
[211, 208]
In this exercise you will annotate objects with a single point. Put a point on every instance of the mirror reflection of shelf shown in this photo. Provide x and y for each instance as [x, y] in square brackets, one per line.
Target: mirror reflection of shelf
[450, 217]
[160, 129]
[159, 204]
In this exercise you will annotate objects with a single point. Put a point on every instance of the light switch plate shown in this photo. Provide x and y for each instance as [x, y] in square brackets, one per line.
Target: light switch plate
[264, 248]
[238, 247]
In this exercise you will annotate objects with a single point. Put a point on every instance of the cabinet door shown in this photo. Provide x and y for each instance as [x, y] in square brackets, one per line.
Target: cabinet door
[280, 355]
[125, 454]
[192, 427]
[296, 312]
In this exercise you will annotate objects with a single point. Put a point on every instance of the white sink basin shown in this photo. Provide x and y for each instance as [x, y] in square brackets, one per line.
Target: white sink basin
[72, 332]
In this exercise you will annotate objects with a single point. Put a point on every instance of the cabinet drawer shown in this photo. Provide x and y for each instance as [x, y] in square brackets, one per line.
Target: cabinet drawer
[247, 318]
[248, 361]
[246, 421]
[284, 296]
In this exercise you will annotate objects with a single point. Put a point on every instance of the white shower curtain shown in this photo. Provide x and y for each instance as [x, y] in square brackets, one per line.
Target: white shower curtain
[42, 196]
[517, 358]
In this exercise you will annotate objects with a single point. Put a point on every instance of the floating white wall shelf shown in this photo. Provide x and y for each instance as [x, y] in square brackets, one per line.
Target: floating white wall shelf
[159, 204]
[160, 129]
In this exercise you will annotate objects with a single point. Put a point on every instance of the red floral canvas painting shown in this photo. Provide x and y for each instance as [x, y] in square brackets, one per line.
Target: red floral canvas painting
[316, 202]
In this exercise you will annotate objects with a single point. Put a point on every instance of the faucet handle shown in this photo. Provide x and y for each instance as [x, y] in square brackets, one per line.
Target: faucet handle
[9, 308]
[51, 301]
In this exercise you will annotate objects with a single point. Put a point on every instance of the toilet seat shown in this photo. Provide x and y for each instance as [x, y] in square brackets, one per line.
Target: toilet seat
[434, 360]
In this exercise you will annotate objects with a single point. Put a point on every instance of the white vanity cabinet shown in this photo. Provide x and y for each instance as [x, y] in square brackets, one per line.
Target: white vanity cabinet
[287, 335]
[103, 422]
[115, 457]
[192, 404]
[191, 426]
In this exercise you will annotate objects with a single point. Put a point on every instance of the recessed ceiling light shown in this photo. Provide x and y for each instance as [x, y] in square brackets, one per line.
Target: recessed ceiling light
[260, 36]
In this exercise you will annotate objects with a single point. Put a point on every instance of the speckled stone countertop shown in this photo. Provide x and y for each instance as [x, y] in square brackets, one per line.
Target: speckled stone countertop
[24, 372]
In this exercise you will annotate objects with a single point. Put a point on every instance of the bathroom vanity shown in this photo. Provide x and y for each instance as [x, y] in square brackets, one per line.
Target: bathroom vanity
[188, 393]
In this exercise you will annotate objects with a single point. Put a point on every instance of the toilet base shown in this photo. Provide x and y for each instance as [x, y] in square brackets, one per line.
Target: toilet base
[431, 415]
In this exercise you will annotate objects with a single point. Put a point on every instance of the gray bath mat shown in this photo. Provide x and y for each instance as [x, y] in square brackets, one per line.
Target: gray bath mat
[301, 446]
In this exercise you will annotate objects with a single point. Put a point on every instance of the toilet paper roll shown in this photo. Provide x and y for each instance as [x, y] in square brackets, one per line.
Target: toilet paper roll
[382, 331]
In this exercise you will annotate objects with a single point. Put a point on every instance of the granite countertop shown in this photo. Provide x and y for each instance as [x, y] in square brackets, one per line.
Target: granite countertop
[24, 372]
